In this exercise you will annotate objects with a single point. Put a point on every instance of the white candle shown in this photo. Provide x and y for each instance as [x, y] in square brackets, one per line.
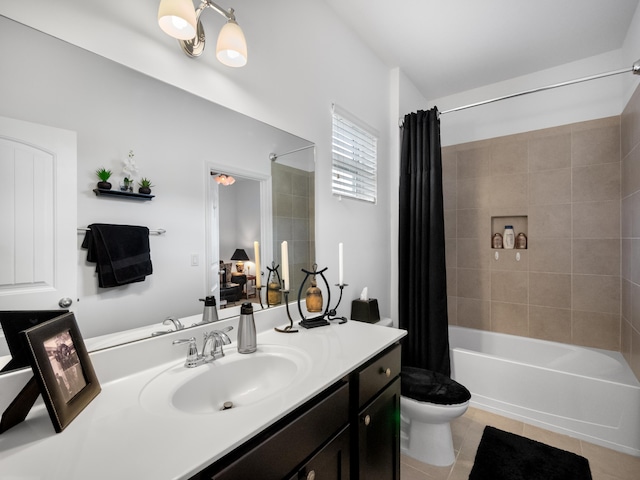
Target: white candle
[285, 265]
[340, 265]
[256, 254]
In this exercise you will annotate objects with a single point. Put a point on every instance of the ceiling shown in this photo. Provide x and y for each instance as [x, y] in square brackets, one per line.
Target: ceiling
[446, 47]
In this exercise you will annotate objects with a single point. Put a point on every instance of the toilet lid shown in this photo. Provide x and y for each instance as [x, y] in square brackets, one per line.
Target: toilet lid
[433, 387]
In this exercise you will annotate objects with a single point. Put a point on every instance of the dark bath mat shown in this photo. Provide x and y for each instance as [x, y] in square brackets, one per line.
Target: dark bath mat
[506, 456]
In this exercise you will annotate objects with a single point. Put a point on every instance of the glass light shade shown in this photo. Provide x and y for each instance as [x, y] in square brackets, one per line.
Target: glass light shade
[226, 180]
[177, 18]
[231, 49]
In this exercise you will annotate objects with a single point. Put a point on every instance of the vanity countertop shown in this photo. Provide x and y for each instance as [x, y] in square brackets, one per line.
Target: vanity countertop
[116, 437]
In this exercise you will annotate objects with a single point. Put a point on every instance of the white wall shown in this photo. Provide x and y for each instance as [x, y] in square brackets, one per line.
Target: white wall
[301, 59]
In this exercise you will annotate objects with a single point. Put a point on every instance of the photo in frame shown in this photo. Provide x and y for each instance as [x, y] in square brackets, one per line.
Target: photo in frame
[62, 368]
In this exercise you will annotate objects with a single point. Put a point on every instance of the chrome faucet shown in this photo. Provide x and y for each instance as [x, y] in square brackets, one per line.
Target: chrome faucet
[169, 321]
[211, 348]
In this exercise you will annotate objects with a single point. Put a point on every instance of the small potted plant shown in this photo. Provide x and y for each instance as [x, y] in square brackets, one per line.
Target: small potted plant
[145, 186]
[129, 169]
[104, 175]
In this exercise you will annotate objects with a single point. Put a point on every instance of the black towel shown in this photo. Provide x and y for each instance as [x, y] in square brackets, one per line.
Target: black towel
[121, 253]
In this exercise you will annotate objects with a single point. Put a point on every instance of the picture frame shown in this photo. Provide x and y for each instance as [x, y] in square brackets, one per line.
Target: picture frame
[62, 368]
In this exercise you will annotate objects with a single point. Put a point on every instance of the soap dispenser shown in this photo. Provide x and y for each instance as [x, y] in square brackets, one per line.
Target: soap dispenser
[210, 313]
[247, 342]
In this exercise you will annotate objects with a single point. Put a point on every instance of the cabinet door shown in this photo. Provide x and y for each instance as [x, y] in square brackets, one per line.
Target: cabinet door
[379, 436]
[330, 463]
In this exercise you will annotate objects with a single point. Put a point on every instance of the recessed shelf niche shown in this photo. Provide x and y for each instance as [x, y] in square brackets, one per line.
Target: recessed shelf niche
[520, 224]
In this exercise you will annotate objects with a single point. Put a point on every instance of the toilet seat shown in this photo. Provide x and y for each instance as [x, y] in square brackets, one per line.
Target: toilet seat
[432, 387]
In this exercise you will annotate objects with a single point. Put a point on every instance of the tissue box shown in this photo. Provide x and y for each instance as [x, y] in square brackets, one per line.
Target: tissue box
[365, 310]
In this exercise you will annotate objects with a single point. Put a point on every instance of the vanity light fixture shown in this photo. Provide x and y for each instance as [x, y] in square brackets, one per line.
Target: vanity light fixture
[179, 19]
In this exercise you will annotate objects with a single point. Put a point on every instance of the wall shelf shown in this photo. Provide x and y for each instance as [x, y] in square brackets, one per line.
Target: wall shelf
[118, 193]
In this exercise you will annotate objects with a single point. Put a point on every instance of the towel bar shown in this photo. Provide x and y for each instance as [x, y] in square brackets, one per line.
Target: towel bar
[159, 231]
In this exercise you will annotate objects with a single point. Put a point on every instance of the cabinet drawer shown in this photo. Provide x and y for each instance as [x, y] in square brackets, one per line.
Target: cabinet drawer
[375, 376]
[274, 457]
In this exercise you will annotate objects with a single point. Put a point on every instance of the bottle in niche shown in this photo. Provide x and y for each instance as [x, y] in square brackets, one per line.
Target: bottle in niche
[509, 238]
[521, 241]
[496, 241]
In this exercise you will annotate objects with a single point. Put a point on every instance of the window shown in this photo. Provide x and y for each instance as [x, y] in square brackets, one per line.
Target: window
[354, 154]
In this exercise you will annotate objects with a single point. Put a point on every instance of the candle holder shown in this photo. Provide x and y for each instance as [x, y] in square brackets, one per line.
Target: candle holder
[259, 293]
[333, 312]
[289, 328]
[329, 313]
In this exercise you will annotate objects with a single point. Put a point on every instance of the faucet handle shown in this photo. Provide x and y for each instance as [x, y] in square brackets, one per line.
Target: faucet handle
[193, 359]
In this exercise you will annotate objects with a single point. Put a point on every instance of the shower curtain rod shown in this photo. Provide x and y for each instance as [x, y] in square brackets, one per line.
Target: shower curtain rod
[635, 68]
[274, 156]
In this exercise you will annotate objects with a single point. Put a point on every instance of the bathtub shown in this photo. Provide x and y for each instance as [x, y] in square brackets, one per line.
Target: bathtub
[587, 393]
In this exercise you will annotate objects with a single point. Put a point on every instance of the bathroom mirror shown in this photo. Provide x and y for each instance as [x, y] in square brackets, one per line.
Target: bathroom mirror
[114, 109]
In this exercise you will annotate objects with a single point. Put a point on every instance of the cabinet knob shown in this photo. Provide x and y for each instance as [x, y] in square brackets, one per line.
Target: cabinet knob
[367, 420]
[386, 372]
[311, 475]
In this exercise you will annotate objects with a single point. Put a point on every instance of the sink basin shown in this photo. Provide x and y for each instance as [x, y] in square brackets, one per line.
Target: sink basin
[241, 379]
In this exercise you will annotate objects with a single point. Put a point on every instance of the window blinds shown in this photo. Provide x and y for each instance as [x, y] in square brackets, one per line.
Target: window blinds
[354, 164]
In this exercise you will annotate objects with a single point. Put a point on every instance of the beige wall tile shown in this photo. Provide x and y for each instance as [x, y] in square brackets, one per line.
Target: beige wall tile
[509, 157]
[474, 192]
[474, 162]
[551, 151]
[452, 308]
[635, 213]
[551, 221]
[596, 183]
[625, 340]
[507, 260]
[596, 142]
[474, 313]
[474, 283]
[452, 281]
[625, 217]
[548, 323]
[550, 289]
[472, 253]
[512, 287]
[596, 219]
[596, 293]
[449, 195]
[474, 223]
[597, 330]
[512, 190]
[596, 256]
[449, 164]
[451, 252]
[635, 352]
[550, 187]
[450, 223]
[630, 124]
[630, 173]
[625, 299]
[511, 318]
[625, 258]
[635, 306]
[551, 255]
[635, 260]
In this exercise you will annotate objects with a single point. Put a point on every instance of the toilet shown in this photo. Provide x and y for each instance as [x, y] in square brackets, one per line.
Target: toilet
[429, 402]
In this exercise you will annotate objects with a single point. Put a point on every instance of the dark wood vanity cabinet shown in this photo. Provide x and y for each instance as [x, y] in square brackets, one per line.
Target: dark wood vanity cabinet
[376, 413]
[350, 431]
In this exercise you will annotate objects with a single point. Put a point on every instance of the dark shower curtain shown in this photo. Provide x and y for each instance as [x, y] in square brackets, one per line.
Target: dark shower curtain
[422, 277]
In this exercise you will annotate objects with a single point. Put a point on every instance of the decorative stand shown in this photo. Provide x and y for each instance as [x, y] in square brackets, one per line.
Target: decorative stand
[274, 286]
[321, 320]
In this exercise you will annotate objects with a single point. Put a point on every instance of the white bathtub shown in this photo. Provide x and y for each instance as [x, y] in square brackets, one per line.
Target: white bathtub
[586, 393]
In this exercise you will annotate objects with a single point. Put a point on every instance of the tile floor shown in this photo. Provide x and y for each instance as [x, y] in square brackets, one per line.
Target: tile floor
[467, 431]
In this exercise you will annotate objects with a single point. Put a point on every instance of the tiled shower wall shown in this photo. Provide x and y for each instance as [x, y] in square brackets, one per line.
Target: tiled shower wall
[630, 144]
[565, 182]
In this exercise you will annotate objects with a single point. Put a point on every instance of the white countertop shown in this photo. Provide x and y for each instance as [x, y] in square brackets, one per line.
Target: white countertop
[116, 437]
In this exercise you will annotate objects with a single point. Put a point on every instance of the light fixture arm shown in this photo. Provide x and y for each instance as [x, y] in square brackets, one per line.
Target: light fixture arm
[228, 14]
